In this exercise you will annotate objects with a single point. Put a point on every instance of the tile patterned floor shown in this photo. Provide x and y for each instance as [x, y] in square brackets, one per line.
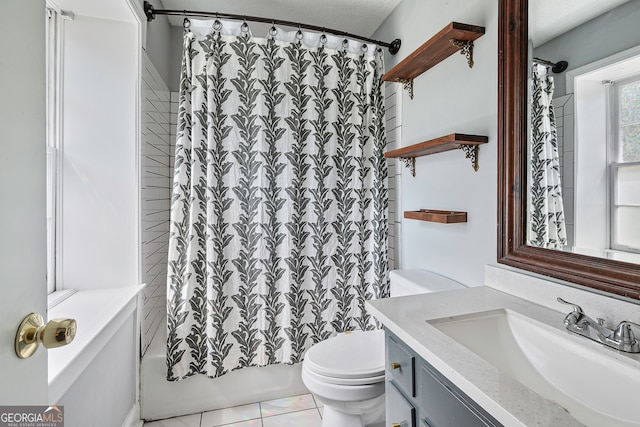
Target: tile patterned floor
[296, 411]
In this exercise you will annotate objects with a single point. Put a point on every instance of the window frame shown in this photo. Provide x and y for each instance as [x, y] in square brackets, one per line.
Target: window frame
[54, 27]
[615, 163]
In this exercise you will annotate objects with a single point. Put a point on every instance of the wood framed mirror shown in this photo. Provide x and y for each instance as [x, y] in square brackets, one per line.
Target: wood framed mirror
[616, 277]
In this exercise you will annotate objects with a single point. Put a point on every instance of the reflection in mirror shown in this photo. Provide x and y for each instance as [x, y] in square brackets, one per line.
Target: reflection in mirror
[583, 176]
[601, 274]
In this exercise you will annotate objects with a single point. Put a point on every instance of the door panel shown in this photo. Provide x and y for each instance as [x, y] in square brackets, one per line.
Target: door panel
[22, 195]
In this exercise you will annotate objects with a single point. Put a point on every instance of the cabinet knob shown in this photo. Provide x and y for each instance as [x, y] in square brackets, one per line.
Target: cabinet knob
[396, 425]
[394, 366]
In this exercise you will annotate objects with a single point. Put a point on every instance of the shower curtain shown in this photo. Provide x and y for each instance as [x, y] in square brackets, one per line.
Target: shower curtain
[278, 228]
[546, 227]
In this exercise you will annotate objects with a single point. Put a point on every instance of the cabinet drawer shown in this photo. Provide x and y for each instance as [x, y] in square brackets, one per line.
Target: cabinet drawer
[401, 366]
[400, 413]
[443, 405]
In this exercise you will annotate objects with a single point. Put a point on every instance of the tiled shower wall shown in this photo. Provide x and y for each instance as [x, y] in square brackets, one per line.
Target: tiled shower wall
[157, 167]
[393, 110]
[160, 113]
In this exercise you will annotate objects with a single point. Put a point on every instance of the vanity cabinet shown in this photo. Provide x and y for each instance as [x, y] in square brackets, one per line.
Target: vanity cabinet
[417, 395]
[401, 364]
[398, 409]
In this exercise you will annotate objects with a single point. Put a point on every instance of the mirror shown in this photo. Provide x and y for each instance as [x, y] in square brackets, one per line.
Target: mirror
[591, 220]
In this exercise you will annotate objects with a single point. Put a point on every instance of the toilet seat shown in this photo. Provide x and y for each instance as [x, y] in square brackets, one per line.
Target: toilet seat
[351, 358]
[346, 373]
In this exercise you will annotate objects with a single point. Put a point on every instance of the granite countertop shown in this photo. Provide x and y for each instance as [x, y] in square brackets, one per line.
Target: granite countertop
[506, 399]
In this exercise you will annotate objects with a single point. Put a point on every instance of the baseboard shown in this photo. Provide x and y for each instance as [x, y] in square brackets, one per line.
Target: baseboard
[133, 417]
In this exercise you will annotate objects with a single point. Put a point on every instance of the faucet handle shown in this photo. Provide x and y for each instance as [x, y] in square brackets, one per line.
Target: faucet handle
[576, 307]
[573, 317]
[624, 334]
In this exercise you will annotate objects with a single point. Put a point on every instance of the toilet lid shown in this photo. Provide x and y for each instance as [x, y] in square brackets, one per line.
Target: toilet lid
[349, 357]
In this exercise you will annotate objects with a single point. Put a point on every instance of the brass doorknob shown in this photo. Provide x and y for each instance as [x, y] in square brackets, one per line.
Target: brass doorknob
[33, 331]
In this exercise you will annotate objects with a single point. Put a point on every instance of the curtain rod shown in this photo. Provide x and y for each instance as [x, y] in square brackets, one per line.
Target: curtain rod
[556, 67]
[151, 13]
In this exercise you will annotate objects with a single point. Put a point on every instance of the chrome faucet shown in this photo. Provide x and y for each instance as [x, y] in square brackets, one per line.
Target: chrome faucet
[621, 338]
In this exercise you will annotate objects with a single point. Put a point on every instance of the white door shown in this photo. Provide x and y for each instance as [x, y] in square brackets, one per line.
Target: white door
[22, 195]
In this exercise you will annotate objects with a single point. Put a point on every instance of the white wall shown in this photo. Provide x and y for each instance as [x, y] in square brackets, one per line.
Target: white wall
[176, 58]
[164, 47]
[105, 392]
[158, 44]
[612, 32]
[99, 176]
[564, 111]
[591, 193]
[449, 98]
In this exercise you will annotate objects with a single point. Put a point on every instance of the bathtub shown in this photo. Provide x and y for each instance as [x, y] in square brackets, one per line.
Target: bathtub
[160, 398]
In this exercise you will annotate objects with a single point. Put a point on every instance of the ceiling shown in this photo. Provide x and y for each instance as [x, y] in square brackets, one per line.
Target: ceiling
[550, 18]
[361, 17]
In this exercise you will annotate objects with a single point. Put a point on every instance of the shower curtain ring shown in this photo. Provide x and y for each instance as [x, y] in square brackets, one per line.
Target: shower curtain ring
[273, 31]
[245, 27]
[186, 23]
[299, 34]
[217, 25]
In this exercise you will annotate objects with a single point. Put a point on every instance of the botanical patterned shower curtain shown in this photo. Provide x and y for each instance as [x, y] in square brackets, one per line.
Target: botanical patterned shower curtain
[546, 227]
[279, 211]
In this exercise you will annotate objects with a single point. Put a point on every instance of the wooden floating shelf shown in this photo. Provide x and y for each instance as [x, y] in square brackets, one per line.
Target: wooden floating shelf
[432, 215]
[437, 145]
[455, 141]
[433, 51]
[452, 38]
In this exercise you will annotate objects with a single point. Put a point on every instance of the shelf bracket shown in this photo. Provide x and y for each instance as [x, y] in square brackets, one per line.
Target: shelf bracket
[471, 152]
[407, 84]
[466, 49]
[409, 163]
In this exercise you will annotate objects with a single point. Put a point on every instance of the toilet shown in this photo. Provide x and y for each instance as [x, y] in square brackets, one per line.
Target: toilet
[346, 372]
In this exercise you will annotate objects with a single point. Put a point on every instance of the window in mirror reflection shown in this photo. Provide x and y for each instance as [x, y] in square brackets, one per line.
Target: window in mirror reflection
[625, 207]
[628, 94]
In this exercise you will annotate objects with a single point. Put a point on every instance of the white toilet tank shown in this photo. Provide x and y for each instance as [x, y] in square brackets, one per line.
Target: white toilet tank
[412, 282]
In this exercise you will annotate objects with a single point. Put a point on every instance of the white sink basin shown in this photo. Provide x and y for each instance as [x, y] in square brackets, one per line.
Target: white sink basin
[596, 389]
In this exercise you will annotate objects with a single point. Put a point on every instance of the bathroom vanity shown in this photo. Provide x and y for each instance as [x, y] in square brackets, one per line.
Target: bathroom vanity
[418, 395]
[483, 357]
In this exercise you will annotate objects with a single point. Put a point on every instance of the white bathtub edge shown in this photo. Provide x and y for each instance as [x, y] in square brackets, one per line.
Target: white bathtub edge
[161, 399]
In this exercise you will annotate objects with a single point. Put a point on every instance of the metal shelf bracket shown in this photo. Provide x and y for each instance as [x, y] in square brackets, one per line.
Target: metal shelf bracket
[410, 163]
[466, 49]
[407, 84]
[471, 152]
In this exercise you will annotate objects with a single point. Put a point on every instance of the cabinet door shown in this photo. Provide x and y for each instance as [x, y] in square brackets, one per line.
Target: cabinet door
[400, 413]
[401, 365]
[444, 405]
